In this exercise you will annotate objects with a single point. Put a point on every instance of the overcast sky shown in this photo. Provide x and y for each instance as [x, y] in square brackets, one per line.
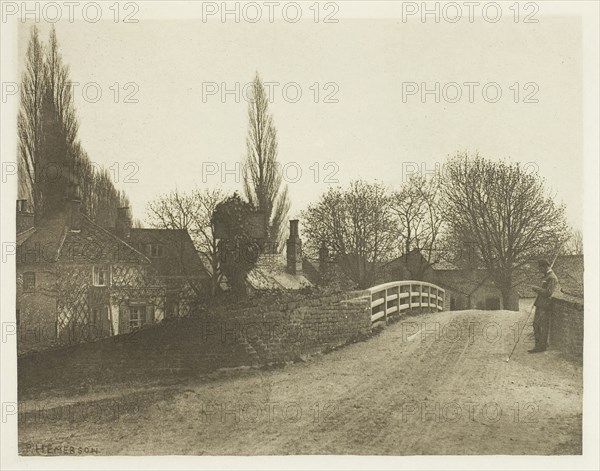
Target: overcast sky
[370, 133]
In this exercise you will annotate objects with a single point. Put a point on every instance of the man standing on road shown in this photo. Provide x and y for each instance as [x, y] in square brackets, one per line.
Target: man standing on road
[543, 306]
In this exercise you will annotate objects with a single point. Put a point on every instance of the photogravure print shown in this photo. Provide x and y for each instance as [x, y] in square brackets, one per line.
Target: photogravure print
[295, 228]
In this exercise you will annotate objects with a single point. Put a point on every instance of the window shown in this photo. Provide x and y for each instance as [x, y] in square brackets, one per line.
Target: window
[28, 281]
[101, 276]
[136, 314]
[155, 250]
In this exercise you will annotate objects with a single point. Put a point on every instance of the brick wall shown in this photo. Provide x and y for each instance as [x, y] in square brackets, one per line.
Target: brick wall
[566, 328]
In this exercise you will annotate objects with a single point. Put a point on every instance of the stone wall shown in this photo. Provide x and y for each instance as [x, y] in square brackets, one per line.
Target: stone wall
[283, 332]
[566, 328]
[273, 332]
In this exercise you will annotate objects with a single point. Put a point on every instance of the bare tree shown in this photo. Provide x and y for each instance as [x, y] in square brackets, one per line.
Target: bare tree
[574, 244]
[60, 127]
[358, 225]
[262, 174]
[577, 242]
[505, 212]
[192, 212]
[30, 131]
[100, 197]
[416, 205]
[59, 90]
[52, 160]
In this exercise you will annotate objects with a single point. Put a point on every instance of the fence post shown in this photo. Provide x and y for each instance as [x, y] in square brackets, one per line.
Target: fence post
[429, 297]
[385, 304]
[372, 306]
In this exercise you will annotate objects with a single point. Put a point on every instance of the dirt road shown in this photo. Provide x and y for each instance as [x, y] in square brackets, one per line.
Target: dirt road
[432, 384]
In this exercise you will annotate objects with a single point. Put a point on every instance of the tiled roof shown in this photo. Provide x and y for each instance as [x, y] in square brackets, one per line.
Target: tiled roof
[270, 273]
[443, 265]
[179, 257]
[93, 243]
[51, 241]
[43, 243]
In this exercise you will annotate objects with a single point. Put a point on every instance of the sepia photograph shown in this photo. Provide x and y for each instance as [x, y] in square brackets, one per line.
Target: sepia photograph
[284, 235]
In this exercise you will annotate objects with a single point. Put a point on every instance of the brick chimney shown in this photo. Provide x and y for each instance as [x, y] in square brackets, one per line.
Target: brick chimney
[294, 250]
[123, 226]
[73, 207]
[24, 216]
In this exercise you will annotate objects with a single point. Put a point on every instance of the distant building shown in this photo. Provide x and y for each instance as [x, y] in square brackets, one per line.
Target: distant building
[466, 288]
[409, 266]
[328, 269]
[77, 281]
[470, 289]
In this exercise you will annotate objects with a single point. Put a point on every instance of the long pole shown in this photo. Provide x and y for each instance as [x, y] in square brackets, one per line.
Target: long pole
[519, 336]
[529, 315]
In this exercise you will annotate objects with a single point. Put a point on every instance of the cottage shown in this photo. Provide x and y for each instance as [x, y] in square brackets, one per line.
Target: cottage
[78, 281]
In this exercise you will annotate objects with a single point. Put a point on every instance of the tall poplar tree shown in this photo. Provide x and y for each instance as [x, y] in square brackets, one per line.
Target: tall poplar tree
[263, 184]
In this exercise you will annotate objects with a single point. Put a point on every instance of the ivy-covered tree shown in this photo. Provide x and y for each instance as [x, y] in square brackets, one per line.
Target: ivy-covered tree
[238, 251]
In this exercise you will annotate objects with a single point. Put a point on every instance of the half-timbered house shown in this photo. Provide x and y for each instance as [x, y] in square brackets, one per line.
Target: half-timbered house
[77, 281]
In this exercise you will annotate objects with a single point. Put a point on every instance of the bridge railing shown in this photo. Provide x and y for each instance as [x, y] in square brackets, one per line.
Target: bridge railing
[398, 296]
